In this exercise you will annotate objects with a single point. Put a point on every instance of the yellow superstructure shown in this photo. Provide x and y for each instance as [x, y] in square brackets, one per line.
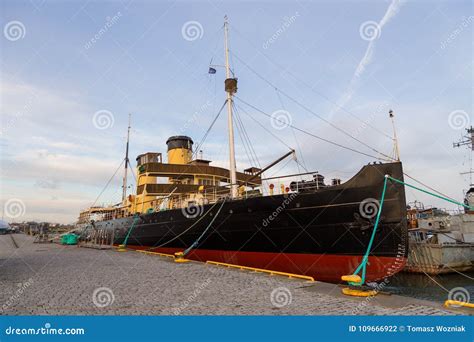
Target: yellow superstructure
[181, 182]
[143, 202]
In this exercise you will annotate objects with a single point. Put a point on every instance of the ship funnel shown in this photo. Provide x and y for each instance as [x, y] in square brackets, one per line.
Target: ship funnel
[180, 149]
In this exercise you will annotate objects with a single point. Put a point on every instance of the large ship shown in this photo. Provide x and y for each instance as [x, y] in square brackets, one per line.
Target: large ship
[210, 213]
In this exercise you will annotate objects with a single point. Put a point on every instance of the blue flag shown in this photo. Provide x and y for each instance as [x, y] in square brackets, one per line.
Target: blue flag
[212, 70]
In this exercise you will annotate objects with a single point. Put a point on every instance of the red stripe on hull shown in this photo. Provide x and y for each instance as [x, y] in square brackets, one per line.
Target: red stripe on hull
[323, 267]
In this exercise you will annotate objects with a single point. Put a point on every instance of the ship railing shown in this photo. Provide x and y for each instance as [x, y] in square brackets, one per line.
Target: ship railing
[244, 192]
[208, 195]
[279, 185]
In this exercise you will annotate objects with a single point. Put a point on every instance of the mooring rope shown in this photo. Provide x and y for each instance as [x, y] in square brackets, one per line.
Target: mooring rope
[135, 220]
[426, 274]
[363, 265]
[195, 243]
[432, 194]
[185, 231]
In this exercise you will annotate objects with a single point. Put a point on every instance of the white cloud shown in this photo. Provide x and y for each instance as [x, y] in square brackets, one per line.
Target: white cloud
[52, 157]
[366, 60]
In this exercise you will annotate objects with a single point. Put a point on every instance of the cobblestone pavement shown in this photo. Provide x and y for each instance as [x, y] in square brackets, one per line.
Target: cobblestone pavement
[50, 279]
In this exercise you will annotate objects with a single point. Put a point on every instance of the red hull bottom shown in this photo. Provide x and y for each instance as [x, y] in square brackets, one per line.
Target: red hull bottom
[323, 267]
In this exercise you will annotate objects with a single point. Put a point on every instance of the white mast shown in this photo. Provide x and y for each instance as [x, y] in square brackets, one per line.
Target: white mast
[396, 151]
[124, 185]
[231, 88]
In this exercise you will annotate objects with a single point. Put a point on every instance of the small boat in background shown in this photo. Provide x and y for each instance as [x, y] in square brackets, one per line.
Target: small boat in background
[439, 242]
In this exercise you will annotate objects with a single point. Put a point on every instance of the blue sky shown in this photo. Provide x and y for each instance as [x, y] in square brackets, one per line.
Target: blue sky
[54, 78]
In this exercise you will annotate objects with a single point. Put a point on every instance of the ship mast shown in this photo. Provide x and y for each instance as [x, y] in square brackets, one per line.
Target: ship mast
[396, 151]
[467, 140]
[124, 185]
[230, 88]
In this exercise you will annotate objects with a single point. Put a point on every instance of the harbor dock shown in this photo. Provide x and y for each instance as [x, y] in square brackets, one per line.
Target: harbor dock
[53, 279]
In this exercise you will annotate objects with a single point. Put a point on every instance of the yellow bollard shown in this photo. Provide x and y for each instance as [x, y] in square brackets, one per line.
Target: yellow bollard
[359, 293]
[179, 257]
[356, 279]
[455, 303]
[353, 278]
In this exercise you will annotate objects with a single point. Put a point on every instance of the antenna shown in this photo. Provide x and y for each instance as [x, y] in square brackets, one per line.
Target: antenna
[231, 89]
[467, 140]
[396, 151]
[124, 186]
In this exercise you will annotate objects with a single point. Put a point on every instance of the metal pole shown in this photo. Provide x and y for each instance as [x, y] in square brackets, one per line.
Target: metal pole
[232, 168]
[395, 140]
[124, 190]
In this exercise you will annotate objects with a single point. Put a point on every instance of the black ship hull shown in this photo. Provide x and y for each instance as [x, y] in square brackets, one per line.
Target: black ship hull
[322, 233]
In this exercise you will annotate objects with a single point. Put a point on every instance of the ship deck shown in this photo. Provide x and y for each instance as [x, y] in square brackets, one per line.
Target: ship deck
[51, 279]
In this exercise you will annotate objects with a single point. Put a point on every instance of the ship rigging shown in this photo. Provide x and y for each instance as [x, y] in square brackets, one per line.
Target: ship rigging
[186, 206]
